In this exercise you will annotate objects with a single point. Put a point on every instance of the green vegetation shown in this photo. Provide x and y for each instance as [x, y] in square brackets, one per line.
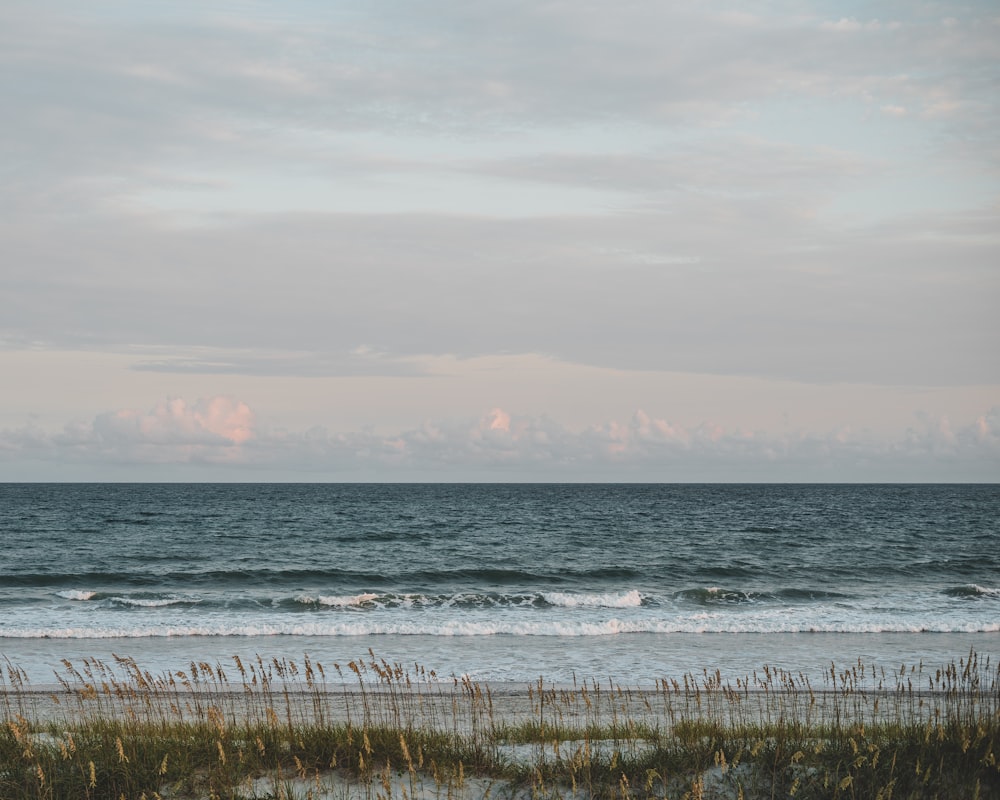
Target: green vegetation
[375, 730]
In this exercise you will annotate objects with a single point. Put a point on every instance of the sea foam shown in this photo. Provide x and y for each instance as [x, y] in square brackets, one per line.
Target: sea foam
[152, 602]
[76, 594]
[345, 601]
[561, 626]
[631, 599]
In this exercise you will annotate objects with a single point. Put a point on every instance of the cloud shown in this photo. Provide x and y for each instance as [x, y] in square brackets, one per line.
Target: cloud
[210, 430]
[894, 111]
[498, 420]
[851, 25]
[212, 422]
[361, 360]
[114, 96]
[740, 285]
[222, 431]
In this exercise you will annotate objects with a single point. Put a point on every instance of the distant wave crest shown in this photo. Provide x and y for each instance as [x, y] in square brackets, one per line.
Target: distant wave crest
[716, 595]
[151, 602]
[129, 601]
[972, 590]
[710, 595]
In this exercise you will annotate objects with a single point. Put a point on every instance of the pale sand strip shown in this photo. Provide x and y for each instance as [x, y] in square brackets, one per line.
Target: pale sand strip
[481, 708]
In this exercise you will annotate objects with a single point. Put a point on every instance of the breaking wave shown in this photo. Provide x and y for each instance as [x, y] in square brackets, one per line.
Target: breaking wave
[328, 627]
[76, 594]
[128, 601]
[630, 599]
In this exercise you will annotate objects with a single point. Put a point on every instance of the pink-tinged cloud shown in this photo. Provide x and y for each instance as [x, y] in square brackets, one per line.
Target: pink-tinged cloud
[645, 445]
[214, 420]
[230, 419]
[212, 430]
[498, 420]
[221, 431]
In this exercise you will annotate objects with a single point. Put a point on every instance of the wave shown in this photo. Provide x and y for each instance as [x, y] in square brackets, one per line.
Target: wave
[339, 601]
[76, 594]
[809, 594]
[631, 599]
[152, 602]
[363, 600]
[472, 600]
[257, 577]
[479, 627]
[370, 600]
[141, 601]
[972, 590]
[715, 595]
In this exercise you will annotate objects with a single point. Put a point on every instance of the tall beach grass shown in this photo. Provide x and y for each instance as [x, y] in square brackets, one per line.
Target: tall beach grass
[368, 728]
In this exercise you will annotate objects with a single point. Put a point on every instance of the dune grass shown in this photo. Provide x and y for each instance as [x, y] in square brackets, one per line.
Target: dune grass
[368, 728]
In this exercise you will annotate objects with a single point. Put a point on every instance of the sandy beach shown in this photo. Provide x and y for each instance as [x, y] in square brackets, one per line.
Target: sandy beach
[507, 737]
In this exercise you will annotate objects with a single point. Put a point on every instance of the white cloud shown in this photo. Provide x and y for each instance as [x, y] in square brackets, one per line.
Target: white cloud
[843, 25]
[222, 432]
[211, 421]
[851, 25]
[210, 430]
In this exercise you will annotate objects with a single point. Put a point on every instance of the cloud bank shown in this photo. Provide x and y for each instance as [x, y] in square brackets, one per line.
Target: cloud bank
[208, 431]
[222, 431]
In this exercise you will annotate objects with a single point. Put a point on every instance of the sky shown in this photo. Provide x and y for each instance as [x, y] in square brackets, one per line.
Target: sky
[518, 241]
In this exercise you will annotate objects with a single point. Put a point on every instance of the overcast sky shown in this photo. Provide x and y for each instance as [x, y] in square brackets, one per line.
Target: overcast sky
[428, 240]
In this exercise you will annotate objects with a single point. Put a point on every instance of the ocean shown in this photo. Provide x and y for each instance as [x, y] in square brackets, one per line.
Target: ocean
[502, 583]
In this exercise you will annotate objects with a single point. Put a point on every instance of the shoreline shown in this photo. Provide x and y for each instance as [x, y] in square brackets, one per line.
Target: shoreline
[637, 659]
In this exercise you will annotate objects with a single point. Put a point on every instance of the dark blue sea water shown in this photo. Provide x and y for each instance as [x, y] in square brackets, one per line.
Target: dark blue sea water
[502, 582]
